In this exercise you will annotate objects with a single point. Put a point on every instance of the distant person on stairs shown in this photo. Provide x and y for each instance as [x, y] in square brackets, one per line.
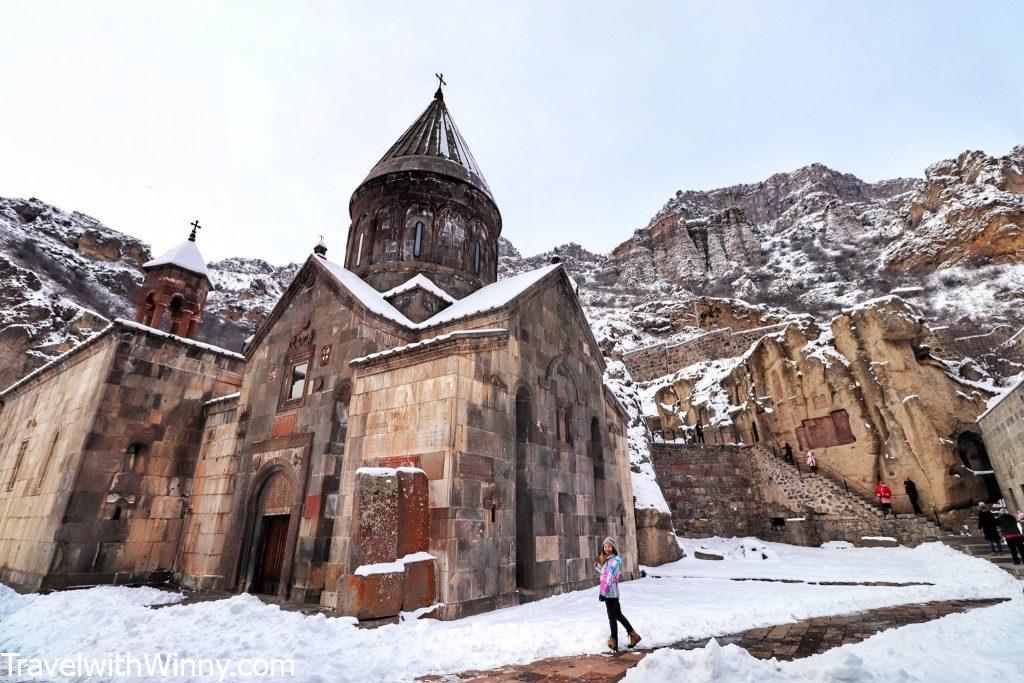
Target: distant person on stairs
[812, 462]
[608, 565]
[1011, 532]
[700, 433]
[789, 453]
[884, 494]
[988, 525]
[911, 488]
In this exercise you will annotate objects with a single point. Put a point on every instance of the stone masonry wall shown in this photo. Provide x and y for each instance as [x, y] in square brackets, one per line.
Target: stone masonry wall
[35, 485]
[739, 491]
[1003, 429]
[657, 361]
[125, 516]
[711, 490]
[209, 504]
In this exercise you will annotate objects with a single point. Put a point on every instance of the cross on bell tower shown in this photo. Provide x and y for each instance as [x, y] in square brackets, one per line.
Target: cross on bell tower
[195, 226]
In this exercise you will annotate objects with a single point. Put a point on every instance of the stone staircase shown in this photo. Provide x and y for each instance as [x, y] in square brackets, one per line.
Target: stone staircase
[975, 545]
[830, 499]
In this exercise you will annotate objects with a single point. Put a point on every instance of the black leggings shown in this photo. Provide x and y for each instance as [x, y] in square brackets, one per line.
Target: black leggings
[615, 615]
[1016, 544]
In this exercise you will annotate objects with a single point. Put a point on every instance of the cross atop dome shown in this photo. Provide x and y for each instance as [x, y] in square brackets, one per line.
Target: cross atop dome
[432, 143]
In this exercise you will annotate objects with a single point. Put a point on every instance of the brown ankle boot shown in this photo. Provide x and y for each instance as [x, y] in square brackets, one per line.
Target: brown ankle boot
[613, 643]
[634, 638]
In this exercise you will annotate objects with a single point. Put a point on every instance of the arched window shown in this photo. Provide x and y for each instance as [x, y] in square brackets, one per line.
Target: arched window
[417, 240]
[359, 250]
[524, 415]
[476, 257]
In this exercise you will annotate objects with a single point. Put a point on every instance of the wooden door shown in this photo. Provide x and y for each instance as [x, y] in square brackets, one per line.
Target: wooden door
[270, 557]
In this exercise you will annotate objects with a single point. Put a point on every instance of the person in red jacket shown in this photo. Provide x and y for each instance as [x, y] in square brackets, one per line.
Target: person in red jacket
[884, 494]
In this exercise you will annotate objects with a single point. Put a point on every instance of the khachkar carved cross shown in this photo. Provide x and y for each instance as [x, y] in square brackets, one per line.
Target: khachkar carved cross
[440, 82]
[195, 226]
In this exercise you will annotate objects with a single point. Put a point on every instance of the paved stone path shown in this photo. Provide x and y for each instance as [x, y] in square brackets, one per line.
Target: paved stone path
[785, 641]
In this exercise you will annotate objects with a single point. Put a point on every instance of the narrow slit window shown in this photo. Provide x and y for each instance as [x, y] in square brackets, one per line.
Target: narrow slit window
[419, 239]
[298, 381]
[476, 258]
[359, 250]
[17, 464]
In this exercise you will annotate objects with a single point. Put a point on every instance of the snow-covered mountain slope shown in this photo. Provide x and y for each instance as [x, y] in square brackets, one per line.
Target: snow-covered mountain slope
[814, 241]
[64, 275]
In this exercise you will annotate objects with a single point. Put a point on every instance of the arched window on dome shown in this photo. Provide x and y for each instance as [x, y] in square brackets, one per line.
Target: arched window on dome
[476, 257]
[419, 221]
[359, 250]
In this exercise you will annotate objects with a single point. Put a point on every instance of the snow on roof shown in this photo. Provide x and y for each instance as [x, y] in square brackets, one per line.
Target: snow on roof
[67, 354]
[422, 281]
[182, 340]
[118, 322]
[457, 334]
[186, 255]
[490, 297]
[494, 295]
[222, 399]
[367, 295]
[998, 398]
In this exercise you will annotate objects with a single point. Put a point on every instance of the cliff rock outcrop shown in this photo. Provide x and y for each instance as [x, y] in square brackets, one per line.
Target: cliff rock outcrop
[863, 393]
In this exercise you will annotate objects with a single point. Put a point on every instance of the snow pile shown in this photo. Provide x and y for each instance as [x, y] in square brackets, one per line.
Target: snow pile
[665, 610]
[390, 567]
[953, 648]
[646, 491]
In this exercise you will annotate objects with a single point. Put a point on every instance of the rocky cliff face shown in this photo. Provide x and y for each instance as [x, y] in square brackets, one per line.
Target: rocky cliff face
[815, 241]
[862, 392]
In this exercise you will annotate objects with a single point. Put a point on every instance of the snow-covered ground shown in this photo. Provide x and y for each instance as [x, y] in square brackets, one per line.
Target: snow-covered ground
[692, 599]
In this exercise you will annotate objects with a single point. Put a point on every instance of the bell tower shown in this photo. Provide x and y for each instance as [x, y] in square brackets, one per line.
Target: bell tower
[175, 286]
[425, 209]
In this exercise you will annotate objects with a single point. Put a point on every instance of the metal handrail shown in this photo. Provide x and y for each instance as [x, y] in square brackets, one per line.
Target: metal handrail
[776, 451]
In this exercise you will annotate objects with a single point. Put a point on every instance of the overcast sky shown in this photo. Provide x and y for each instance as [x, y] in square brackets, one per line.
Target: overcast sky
[260, 118]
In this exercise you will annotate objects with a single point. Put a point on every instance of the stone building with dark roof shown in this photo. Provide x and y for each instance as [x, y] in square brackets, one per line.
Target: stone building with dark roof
[403, 431]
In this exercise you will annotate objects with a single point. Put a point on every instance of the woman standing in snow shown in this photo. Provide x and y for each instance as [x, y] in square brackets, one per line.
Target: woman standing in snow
[608, 566]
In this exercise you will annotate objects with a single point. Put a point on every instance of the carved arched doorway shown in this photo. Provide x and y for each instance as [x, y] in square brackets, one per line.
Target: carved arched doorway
[273, 518]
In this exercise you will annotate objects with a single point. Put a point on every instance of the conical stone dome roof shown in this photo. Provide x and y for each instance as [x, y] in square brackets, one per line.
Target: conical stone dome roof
[432, 143]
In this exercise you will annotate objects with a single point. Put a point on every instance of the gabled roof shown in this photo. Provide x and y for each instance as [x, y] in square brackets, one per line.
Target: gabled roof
[432, 143]
[423, 282]
[186, 255]
[494, 295]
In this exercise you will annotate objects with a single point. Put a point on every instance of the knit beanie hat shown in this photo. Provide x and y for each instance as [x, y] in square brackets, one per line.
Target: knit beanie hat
[609, 541]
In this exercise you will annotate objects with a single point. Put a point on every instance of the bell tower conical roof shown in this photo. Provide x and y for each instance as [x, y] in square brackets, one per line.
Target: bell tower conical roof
[434, 144]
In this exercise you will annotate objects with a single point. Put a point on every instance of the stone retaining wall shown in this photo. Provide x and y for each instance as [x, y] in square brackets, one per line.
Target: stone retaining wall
[662, 359]
[744, 491]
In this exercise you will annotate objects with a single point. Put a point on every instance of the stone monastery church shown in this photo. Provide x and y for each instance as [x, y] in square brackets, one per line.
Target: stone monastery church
[404, 430]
